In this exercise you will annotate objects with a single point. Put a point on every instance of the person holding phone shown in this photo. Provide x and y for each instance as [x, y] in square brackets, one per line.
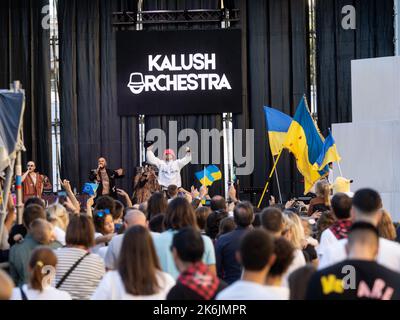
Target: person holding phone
[105, 178]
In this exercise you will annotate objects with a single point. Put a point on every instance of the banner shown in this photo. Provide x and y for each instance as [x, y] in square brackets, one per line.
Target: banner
[179, 72]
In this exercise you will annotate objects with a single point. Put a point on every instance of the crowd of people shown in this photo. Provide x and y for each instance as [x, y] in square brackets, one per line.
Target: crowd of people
[173, 246]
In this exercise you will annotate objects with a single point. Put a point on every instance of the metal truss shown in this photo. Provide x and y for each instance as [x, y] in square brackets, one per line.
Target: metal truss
[131, 19]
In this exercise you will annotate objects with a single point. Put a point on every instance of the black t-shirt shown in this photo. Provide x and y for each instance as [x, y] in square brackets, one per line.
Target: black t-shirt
[181, 292]
[354, 280]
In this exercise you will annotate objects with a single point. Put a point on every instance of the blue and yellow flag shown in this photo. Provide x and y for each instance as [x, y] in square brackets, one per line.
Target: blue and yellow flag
[305, 142]
[278, 125]
[208, 175]
[215, 172]
[329, 153]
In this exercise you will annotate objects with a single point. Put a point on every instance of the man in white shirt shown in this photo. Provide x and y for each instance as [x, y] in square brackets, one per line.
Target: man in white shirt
[132, 218]
[367, 207]
[169, 169]
[256, 254]
[341, 207]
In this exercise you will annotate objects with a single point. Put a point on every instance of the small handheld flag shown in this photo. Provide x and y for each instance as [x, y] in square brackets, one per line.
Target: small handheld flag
[208, 175]
[90, 188]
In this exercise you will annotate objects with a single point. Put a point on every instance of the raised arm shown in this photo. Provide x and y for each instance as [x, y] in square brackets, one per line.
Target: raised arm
[185, 160]
[152, 159]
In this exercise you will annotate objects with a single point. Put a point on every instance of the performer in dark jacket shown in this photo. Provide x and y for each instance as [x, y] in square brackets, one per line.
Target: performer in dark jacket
[106, 179]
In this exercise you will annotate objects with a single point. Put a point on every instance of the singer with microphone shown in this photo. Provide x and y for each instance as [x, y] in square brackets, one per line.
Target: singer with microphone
[105, 178]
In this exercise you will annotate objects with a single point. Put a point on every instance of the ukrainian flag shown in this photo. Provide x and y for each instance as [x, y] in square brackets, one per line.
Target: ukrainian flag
[329, 153]
[305, 142]
[205, 177]
[278, 125]
[215, 172]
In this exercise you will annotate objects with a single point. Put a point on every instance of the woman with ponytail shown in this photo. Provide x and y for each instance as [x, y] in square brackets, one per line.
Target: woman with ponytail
[322, 202]
[42, 269]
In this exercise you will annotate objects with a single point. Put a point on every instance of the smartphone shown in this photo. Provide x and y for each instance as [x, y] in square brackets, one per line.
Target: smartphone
[62, 196]
[62, 193]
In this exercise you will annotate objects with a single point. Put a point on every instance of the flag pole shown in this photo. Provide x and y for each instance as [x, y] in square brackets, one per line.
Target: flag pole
[269, 178]
[340, 169]
[277, 181]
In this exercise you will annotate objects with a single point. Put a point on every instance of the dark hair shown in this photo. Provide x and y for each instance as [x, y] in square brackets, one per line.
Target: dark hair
[156, 204]
[217, 203]
[99, 217]
[272, 219]
[284, 252]
[31, 213]
[143, 208]
[80, 232]
[226, 225]
[40, 257]
[256, 248]
[138, 262]
[202, 214]
[172, 190]
[257, 219]
[156, 224]
[360, 231]
[105, 202]
[34, 200]
[189, 244]
[341, 205]
[367, 201]
[179, 214]
[213, 222]
[298, 281]
[119, 210]
[324, 222]
[243, 214]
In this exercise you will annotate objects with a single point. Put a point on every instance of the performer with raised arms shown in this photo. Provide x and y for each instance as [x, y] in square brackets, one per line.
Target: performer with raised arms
[169, 168]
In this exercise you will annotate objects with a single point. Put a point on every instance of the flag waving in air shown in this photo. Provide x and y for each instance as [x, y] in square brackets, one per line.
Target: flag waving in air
[329, 153]
[278, 125]
[208, 175]
[305, 142]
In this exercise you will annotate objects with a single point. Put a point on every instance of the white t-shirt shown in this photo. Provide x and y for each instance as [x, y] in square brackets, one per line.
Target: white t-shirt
[111, 287]
[60, 235]
[114, 248]
[327, 240]
[169, 172]
[298, 262]
[247, 290]
[388, 255]
[96, 248]
[48, 293]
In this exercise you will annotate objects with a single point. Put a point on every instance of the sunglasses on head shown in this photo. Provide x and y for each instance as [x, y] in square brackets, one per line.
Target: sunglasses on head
[102, 213]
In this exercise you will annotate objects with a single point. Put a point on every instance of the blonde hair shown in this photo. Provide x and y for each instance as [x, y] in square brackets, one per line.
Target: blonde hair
[386, 227]
[6, 286]
[294, 225]
[323, 190]
[58, 216]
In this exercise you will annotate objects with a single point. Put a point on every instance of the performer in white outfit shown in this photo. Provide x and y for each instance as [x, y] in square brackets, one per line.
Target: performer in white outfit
[169, 168]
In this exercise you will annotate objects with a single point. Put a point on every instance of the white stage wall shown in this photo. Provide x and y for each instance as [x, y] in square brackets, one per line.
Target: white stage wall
[370, 145]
